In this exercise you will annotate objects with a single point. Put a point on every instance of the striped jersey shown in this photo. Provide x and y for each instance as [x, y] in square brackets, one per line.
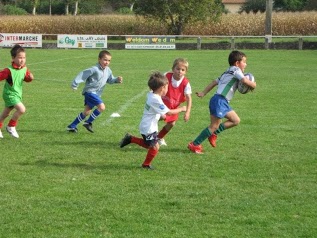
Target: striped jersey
[228, 82]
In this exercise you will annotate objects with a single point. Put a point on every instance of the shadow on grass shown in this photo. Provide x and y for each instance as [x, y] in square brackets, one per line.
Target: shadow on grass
[86, 166]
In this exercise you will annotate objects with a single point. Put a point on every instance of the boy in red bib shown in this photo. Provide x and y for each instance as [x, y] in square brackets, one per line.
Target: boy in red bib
[179, 91]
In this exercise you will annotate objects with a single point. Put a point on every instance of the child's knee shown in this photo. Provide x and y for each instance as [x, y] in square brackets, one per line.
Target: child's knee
[236, 121]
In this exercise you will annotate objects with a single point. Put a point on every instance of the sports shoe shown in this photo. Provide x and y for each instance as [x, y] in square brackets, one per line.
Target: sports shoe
[126, 140]
[72, 129]
[162, 142]
[88, 126]
[149, 167]
[212, 140]
[1, 136]
[12, 131]
[197, 149]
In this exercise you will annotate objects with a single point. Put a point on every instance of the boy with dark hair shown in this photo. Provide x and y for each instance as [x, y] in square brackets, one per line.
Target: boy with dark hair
[14, 75]
[219, 104]
[154, 110]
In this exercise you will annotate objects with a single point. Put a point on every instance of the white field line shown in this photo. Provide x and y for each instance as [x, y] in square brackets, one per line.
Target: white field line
[121, 110]
[124, 107]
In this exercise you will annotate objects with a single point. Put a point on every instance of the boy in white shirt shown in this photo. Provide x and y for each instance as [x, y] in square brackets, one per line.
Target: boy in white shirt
[154, 110]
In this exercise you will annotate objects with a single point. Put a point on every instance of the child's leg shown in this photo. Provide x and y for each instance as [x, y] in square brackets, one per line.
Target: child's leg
[5, 113]
[168, 126]
[128, 139]
[100, 108]
[152, 152]
[81, 116]
[207, 132]
[139, 141]
[233, 120]
[20, 110]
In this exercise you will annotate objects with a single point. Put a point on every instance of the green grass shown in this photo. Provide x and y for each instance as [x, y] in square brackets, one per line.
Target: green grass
[260, 181]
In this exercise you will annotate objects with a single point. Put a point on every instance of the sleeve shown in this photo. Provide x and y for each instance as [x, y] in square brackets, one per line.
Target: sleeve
[159, 107]
[4, 74]
[188, 89]
[238, 74]
[112, 79]
[28, 77]
[82, 77]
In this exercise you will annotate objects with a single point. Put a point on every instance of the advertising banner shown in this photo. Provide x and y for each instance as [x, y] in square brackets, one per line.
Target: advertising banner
[149, 42]
[81, 41]
[25, 40]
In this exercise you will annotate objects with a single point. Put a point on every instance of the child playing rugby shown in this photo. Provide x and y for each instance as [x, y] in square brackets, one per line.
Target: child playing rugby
[219, 104]
[154, 110]
[14, 75]
[179, 91]
[95, 79]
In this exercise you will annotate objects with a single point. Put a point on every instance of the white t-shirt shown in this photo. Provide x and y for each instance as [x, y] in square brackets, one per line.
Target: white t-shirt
[154, 108]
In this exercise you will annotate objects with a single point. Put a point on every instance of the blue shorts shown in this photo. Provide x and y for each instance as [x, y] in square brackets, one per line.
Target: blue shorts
[151, 139]
[92, 100]
[219, 106]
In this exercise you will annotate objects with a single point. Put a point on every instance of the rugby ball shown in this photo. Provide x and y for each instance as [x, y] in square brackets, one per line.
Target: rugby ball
[243, 88]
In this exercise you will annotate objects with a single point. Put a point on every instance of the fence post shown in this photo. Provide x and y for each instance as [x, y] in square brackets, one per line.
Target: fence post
[232, 43]
[199, 43]
[300, 43]
[268, 40]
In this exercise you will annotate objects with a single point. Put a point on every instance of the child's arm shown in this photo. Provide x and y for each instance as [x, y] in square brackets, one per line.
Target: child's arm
[207, 89]
[81, 77]
[176, 110]
[188, 107]
[248, 82]
[4, 74]
[28, 76]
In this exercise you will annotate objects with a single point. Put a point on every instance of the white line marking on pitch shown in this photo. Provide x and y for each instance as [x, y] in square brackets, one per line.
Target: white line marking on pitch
[124, 107]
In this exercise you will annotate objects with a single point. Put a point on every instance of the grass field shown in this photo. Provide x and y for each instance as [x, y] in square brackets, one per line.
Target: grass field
[260, 181]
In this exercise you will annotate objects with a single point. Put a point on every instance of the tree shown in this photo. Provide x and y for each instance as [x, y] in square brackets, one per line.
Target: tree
[253, 6]
[290, 5]
[176, 14]
[35, 4]
[311, 5]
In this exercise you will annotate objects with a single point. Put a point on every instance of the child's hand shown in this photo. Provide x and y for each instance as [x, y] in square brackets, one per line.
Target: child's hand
[31, 76]
[74, 88]
[183, 108]
[120, 79]
[200, 94]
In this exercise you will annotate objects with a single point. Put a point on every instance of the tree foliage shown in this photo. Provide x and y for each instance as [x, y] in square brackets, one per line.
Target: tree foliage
[176, 14]
[278, 5]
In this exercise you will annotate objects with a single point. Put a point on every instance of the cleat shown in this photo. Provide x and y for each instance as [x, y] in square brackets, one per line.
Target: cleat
[197, 149]
[162, 142]
[1, 136]
[126, 140]
[212, 140]
[12, 131]
[72, 129]
[88, 126]
[149, 167]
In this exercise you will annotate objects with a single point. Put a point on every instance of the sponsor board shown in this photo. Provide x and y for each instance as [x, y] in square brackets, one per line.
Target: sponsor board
[25, 40]
[149, 42]
[81, 41]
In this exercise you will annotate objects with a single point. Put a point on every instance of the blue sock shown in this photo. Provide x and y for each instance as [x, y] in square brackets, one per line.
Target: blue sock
[93, 116]
[78, 119]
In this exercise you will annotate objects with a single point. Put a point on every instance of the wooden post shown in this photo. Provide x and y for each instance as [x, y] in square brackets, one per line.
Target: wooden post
[199, 43]
[268, 20]
[232, 43]
[300, 43]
